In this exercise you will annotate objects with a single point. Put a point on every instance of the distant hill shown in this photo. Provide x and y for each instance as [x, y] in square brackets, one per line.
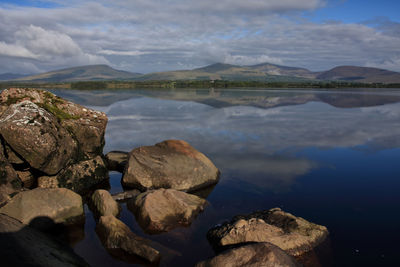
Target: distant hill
[265, 72]
[220, 71]
[83, 73]
[10, 76]
[360, 74]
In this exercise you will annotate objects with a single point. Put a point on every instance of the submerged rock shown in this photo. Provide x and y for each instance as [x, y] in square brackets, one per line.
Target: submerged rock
[116, 160]
[122, 196]
[21, 245]
[259, 254]
[60, 205]
[118, 239]
[294, 235]
[169, 164]
[164, 209]
[104, 203]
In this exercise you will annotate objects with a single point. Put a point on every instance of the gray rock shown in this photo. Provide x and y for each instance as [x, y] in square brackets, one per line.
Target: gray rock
[116, 160]
[104, 203]
[118, 239]
[87, 126]
[294, 235]
[169, 164]
[164, 209]
[60, 205]
[36, 135]
[126, 195]
[21, 245]
[254, 255]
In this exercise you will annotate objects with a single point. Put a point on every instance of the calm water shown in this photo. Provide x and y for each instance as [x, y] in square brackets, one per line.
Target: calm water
[331, 157]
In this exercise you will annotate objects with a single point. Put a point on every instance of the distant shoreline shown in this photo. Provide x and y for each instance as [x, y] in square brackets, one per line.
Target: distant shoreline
[218, 84]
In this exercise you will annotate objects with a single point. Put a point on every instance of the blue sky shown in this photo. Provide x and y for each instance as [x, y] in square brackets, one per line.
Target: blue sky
[158, 35]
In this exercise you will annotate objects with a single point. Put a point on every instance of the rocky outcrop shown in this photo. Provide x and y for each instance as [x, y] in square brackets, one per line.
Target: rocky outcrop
[169, 164]
[36, 135]
[104, 203]
[116, 160]
[126, 195]
[21, 245]
[260, 254]
[164, 209]
[10, 183]
[61, 205]
[294, 235]
[46, 136]
[119, 240]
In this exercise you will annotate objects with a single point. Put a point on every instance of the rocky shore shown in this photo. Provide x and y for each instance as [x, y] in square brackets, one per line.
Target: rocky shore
[51, 161]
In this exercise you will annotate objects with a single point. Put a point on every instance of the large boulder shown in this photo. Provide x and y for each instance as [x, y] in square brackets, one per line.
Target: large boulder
[294, 235]
[169, 164]
[119, 240]
[61, 205]
[21, 245]
[116, 160]
[104, 203]
[10, 183]
[37, 136]
[164, 209]
[87, 126]
[260, 254]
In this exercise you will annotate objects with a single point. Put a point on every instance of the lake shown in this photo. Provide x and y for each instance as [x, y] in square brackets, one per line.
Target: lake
[331, 157]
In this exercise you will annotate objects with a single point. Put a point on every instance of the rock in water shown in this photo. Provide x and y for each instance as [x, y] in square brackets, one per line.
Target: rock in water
[164, 209]
[83, 175]
[260, 254]
[116, 160]
[117, 238]
[104, 203]
[126, 195]
[294, 235]
[37, 136]
[169, 164]
[59, 204]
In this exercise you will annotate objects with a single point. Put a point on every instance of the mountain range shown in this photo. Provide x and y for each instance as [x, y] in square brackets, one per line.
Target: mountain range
[265, 72]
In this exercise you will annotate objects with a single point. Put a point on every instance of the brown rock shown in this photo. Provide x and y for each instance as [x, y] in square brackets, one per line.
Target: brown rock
[169, 164]
[260, 254]
[10, 183]
[48, 182]
[21, 245]
[116, 160]
[83, 175]
[117, 238]
[104, 203]
[164, 209]
[37, 137]
[27, 178]
[60, 205]
[293, 234]
[11, 156]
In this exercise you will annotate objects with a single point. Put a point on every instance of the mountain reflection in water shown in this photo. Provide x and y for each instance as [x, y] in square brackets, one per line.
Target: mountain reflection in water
[329, 157]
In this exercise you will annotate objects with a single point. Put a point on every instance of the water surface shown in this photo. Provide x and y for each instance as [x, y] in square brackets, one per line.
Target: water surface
[331, 157]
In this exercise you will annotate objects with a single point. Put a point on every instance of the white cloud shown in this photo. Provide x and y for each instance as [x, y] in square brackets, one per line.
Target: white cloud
[155, 35]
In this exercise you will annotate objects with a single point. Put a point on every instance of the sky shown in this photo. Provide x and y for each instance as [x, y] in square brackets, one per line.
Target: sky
[154, 35]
